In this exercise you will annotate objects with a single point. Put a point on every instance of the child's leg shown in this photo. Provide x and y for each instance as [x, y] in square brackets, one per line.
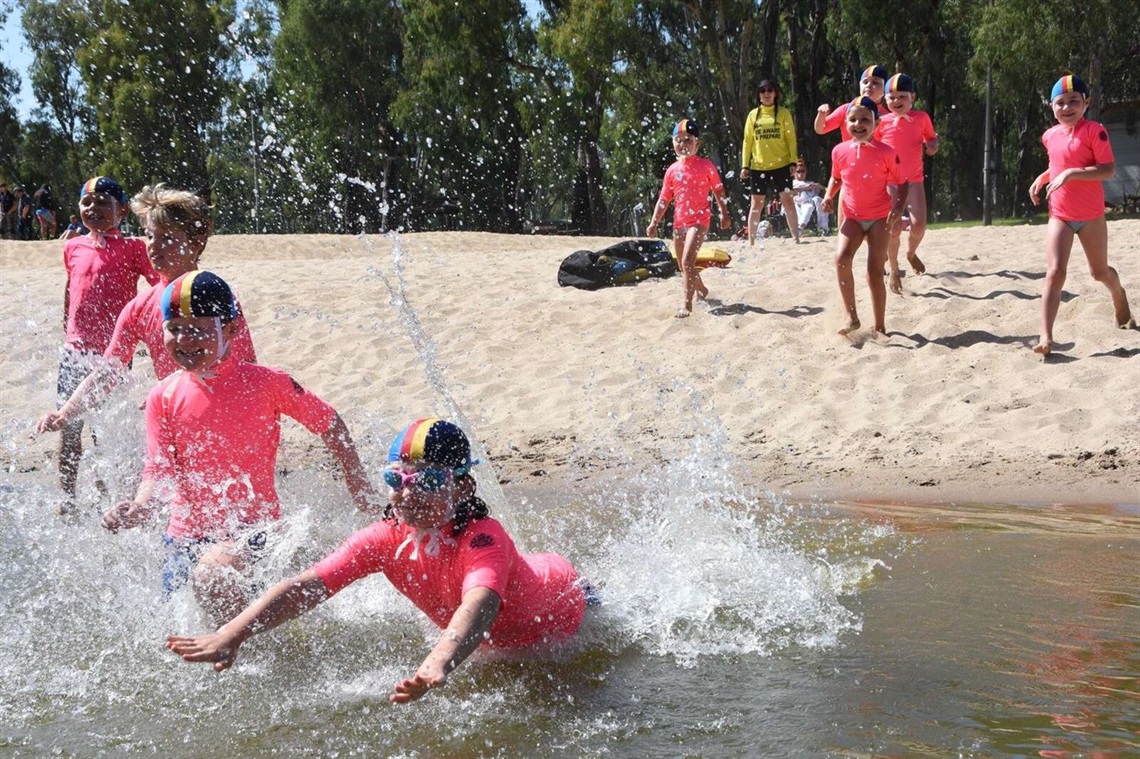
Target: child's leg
[850, 238]
[218, 581]
[916, 202]
[70, 451]
[1058, 246]
[790, 214]
[893, 247]
[1094, 239]
[693, 238]
[755, 213]
[878, 238]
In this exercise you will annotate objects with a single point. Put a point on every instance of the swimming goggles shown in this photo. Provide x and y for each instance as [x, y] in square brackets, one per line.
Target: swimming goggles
[429, 479]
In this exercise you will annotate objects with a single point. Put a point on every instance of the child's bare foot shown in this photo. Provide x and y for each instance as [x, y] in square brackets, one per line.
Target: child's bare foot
[683, 313]
[879, 332]
[1044, 347]
[895, 284]
[703, 293]
[1124, 319]
[915, 263]
[851, 327]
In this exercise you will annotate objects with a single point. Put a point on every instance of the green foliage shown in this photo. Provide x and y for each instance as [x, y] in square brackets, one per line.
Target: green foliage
[365, 115]
[154, 77]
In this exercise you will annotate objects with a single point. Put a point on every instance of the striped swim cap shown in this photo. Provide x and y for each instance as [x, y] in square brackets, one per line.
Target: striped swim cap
[865, 102]
[434, 441]
[900, 83]
[687, 126]
[199, 293]
[874, 71]
[1070, 83]
[104, 185]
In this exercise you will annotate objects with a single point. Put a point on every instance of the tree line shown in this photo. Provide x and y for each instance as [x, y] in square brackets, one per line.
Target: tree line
[367, 115]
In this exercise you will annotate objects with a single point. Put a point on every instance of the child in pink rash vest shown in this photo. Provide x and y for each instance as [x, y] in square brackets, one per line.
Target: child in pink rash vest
[1080, 159]
[103, 270]
[863, 168]
[439, 547]
[910, 133]
[213, 429]
[177, 226]
[688, 182]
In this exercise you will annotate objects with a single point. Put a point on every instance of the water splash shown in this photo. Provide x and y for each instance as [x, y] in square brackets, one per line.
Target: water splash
[485, 476]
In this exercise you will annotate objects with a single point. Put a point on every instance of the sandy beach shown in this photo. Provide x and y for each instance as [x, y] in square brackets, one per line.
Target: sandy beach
[563, 386]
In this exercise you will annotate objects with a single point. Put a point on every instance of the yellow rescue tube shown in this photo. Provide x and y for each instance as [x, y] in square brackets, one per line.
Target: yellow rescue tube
[709, 256]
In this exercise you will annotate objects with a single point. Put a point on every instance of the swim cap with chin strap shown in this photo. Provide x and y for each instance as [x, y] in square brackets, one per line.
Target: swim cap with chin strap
[201, 294]
[899, 83]
[1070, 83]
[874, 71]
[433, 441]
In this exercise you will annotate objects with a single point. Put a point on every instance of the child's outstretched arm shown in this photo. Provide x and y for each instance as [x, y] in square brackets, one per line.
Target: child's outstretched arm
[286, 600]
[468, 628]
[339, 442]
[128, 514]
[91, 391]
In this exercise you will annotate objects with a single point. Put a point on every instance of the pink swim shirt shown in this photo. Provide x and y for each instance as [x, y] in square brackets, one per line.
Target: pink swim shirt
[687, 184]
[866, 168]
[908, 135]
[541, 598]
[141, 321]
[1086, 145]
[103, 275]
[212, 444]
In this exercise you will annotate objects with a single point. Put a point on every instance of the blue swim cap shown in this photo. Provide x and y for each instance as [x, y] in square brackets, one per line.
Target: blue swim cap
[434, 441]
[104, 185]
[687, 126]
[866, 102]
[199, 293]
[874, 71]
[900, 83]
[1071, 83]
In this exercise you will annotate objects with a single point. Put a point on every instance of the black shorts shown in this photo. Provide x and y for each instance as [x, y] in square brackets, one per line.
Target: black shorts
[770, 182]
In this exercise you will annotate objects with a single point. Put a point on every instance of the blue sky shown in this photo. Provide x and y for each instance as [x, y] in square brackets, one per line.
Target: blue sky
[17, 56]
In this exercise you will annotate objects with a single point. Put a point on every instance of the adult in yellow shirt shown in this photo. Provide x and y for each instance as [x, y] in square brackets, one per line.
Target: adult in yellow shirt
[767, 157]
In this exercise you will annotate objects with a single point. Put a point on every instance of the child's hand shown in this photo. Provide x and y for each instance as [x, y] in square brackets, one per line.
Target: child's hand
[53, 421]
[932, 147]
[745, 173]
[1057, 183]
[725, 221]
[651, 230]
[214, 647]
[828, 205]
[126, 514]
[417, 685]
[824, 109]
[893, 218]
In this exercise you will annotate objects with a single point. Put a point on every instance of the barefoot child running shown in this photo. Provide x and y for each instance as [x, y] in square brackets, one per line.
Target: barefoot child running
[212, 434]
[103, 270]
[1080, 158]
[439, 547]
[910, 133]
[687, 184]
[177, 226]
[863, 168]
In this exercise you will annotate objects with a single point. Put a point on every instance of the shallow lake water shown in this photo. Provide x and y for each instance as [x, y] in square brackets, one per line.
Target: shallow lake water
[735, 624]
